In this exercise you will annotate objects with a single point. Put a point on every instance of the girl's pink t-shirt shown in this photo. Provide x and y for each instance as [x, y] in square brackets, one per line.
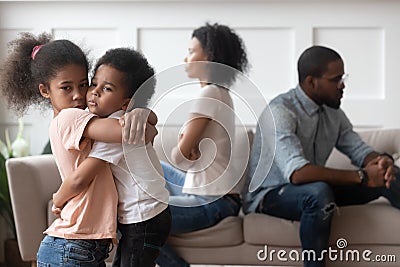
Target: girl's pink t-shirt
[93, 213]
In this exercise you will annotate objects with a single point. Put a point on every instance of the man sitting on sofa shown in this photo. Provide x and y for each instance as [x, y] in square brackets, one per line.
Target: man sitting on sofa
[309, 124]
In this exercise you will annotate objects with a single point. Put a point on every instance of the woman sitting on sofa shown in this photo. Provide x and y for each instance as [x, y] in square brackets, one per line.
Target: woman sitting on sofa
[204, 192]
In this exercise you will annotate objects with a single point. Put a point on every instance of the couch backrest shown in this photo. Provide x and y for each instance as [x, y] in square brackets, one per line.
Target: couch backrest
[32, 181]
[381, 140]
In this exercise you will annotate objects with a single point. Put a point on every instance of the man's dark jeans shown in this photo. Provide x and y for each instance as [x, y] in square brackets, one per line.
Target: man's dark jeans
[313, 205]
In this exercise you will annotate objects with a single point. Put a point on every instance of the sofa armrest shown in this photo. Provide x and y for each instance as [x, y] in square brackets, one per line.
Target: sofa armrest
[32, 181]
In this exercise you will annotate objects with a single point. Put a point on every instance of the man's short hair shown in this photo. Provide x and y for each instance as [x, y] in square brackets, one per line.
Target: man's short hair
[314, 61]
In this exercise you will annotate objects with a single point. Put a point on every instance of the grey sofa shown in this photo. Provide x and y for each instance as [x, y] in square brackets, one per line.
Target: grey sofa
[253, 239]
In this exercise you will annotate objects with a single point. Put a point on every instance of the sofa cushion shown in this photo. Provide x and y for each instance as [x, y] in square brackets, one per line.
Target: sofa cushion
[365, 227]
[374, 223]
[228, 232]
[262, 229]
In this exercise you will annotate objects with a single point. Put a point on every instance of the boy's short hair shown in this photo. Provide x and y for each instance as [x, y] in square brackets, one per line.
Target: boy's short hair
[138, 73]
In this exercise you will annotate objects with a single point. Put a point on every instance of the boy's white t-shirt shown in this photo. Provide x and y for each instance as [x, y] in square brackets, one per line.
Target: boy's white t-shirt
[141, 192]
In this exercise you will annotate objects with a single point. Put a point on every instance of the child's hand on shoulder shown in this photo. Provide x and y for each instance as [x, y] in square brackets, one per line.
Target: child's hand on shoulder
[56, 211]
[139, 126]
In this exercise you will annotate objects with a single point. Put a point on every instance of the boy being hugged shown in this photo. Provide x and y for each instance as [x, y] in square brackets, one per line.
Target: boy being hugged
[143, 214]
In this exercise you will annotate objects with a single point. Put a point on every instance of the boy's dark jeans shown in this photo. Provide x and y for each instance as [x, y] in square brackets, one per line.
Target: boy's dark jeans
[140, 243]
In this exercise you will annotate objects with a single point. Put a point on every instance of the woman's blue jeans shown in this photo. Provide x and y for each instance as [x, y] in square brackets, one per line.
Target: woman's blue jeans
[54, 251]
[195, 213]
[313, 204]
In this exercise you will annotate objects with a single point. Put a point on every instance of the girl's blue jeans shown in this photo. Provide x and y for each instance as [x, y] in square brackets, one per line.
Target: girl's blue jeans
[54, 251]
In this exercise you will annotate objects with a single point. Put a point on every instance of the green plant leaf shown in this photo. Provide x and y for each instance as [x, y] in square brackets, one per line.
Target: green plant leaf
[5, 201]
[4, 150]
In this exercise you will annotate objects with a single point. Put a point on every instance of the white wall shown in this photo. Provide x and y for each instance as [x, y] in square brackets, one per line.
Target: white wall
[366, 33]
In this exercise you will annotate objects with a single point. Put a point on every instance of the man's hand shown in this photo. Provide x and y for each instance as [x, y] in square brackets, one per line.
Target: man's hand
[387, 163]
[380, 171]
[139, 126]
[375, 174]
